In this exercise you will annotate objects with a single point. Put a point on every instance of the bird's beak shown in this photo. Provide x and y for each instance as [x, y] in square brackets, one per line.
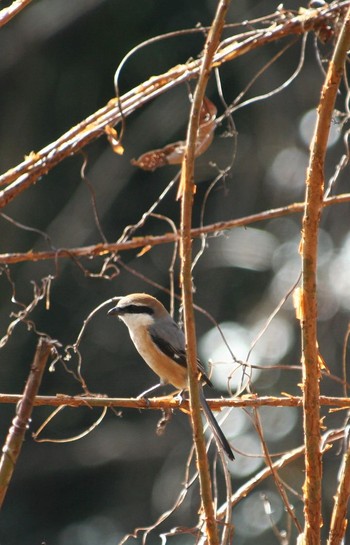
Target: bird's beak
[115, 311]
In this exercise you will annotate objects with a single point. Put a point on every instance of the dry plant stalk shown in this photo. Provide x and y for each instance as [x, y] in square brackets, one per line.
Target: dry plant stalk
[309, 248]
[170, 402]
[15, 437]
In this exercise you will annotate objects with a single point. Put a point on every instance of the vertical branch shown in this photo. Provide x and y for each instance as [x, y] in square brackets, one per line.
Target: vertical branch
[186, 192]
[312, 212]
[15, 437]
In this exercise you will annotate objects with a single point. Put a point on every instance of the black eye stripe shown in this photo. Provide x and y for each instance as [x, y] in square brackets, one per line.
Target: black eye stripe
[136, 309]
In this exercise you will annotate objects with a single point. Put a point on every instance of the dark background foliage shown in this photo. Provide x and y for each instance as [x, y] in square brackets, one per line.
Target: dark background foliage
[57, 64]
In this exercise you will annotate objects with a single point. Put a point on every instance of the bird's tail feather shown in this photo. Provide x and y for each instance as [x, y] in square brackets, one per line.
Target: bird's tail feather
[214, 426]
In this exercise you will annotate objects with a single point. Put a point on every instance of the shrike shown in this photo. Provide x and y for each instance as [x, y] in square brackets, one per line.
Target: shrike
[161, 343]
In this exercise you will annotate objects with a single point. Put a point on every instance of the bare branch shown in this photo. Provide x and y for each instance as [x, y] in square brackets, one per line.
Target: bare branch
[170, 402]
[309, 249]
[15, 437]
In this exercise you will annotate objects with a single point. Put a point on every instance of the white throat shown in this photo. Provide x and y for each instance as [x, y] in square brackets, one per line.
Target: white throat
[134, 321]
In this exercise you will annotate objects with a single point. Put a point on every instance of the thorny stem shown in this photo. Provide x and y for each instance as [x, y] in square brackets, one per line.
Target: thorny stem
[171, 402]
[311, 369]
[15, 437]
[187, 191]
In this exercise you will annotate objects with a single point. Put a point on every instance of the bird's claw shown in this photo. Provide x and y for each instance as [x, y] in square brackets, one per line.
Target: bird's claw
[144, 398]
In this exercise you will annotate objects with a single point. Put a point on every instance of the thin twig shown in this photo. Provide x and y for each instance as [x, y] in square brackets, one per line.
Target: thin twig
[15, 437]
[252, 483]
[274, 472]
[279, 464]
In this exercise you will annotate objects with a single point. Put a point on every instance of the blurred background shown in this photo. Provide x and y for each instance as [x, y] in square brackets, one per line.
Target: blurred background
[57, 65]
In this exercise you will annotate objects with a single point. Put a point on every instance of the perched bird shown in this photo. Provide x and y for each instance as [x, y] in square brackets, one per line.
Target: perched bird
[161, 343]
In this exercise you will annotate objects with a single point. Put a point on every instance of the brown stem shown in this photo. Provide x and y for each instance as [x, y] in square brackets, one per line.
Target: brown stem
[15, 437]
[309, 247]
[170, 402]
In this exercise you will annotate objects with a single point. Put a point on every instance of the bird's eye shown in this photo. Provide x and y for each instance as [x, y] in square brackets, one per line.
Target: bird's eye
[137, 309]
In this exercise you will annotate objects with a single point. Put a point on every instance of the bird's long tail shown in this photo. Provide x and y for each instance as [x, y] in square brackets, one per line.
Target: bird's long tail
[214, 426]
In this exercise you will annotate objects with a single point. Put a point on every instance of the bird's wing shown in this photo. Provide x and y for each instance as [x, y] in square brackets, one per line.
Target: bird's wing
[175, 353]
[172, 344]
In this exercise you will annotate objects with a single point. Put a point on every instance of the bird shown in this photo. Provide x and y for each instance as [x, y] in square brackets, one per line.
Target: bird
[161, 343]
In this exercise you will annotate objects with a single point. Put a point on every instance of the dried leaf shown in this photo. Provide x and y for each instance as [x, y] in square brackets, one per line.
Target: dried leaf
[169, 155]
[112, 137]
[172, 154]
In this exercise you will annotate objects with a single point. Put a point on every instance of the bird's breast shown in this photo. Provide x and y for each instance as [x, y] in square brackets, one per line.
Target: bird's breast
[167, 369]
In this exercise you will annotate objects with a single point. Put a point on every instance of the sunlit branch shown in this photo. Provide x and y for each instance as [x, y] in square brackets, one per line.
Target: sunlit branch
[308, 307]
[170, 402]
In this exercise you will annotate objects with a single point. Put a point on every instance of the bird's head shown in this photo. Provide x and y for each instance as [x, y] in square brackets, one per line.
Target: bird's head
[138, 309]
